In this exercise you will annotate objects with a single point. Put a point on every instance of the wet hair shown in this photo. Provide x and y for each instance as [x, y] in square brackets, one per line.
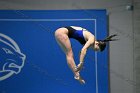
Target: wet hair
[102, 43]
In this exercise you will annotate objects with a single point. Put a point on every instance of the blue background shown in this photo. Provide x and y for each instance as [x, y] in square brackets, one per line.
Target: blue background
[45, 69]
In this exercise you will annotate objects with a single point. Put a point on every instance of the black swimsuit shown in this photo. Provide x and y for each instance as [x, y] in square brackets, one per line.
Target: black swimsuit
[76, 34]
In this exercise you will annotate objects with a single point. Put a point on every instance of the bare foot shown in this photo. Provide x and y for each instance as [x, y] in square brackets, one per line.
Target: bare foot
[79, 78]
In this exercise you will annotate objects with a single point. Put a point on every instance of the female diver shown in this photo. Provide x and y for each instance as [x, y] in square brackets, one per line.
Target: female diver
[86, 38]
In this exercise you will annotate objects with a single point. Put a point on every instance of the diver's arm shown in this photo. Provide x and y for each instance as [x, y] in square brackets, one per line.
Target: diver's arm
[83, 53]
[84, 49]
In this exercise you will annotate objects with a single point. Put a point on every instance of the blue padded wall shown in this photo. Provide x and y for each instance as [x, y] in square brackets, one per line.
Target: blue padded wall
[31, 60]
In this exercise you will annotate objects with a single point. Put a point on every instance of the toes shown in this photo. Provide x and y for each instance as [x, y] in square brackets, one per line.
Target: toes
[82, 81]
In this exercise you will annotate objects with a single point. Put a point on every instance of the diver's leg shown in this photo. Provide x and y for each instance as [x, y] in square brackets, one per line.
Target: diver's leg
[64, 42]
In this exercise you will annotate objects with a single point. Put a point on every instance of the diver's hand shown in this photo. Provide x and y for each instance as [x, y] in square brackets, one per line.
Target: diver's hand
[79, 67]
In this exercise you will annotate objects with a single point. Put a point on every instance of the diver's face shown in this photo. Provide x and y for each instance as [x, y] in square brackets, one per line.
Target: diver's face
[96, 46]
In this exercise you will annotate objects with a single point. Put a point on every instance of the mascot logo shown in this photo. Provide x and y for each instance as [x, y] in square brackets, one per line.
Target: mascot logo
[11, 58]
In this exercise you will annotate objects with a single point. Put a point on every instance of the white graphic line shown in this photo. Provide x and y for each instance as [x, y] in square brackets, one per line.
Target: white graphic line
[47, 19]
